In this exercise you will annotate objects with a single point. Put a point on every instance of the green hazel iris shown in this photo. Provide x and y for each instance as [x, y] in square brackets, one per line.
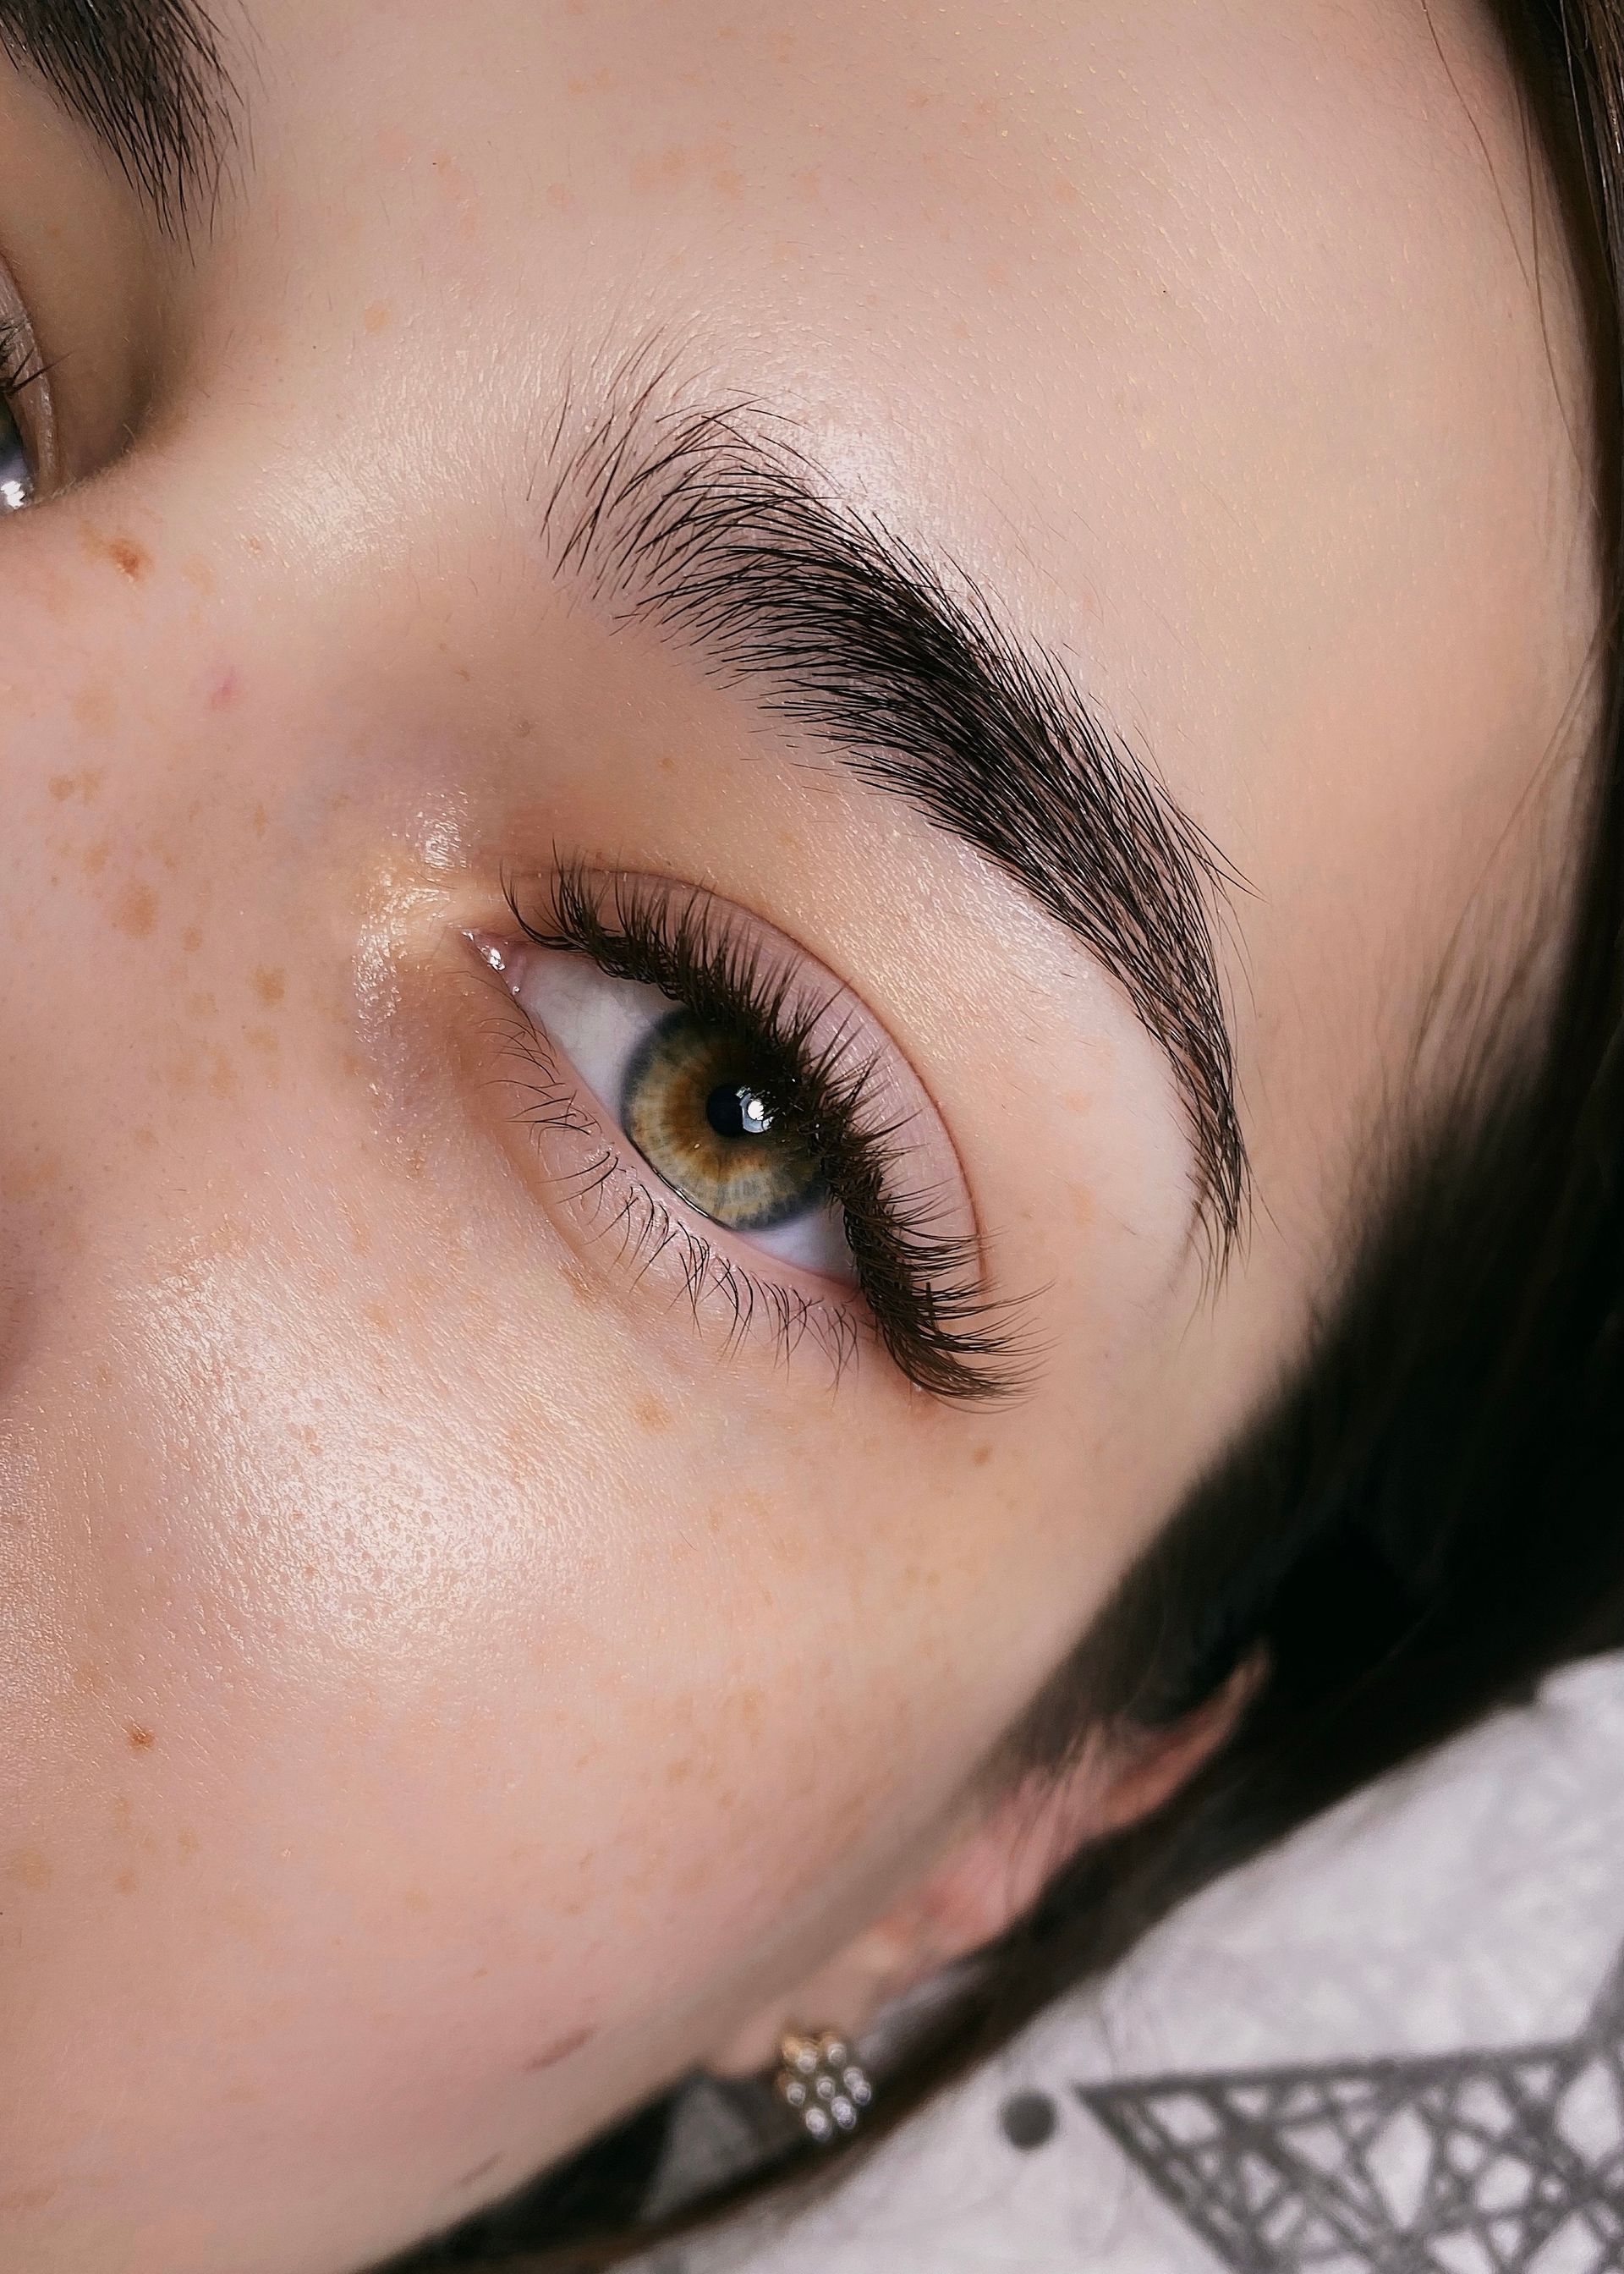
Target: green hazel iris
[692, 1108]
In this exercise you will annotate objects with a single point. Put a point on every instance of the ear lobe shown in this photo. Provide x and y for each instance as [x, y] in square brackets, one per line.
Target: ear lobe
[996, 1869]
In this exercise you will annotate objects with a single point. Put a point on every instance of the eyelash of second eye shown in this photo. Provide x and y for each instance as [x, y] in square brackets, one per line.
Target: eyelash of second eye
[922, 1285]
[20, 359]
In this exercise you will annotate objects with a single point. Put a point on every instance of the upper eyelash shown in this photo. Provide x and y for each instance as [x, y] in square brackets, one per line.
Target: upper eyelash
[922, 1286]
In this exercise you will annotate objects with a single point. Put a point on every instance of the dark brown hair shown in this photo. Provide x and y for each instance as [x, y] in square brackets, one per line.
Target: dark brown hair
[1433, 1515]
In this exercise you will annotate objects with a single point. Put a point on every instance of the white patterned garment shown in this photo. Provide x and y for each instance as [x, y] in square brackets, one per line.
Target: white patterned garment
[1394, 2045]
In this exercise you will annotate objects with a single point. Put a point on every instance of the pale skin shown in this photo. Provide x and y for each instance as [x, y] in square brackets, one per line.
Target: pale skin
[448, 1690]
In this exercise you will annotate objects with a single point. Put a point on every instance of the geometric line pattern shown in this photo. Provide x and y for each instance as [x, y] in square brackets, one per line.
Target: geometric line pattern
[1509, 2161]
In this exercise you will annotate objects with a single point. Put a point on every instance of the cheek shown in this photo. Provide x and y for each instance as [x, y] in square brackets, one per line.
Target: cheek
[427, 1704]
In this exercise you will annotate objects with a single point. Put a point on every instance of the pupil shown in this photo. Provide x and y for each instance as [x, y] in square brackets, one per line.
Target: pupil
[733, 1109]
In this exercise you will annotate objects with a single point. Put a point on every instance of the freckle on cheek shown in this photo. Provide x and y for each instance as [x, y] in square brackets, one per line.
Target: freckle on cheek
[94, 708]
[137, 912]
[140, 1737]
[30, 1869]
[129, 559]
[270, 986]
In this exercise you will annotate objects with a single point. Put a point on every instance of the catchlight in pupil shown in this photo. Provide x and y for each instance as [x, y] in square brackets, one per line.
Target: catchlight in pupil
[736, 1111]
[694, 1108]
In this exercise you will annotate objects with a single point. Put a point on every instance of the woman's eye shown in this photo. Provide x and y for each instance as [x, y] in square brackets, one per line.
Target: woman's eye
[694, 1100]
[27, 425]
[743, 1128]
[17, 483]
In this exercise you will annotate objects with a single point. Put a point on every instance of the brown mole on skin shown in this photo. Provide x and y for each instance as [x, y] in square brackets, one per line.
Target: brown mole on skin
[140, 1737]
[129, 559]
[270, 986]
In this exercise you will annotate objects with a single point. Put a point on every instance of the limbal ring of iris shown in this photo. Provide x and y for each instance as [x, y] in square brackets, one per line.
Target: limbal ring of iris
[693, 1111]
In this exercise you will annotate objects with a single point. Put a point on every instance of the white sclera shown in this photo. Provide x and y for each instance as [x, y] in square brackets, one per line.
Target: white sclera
[600, 1024]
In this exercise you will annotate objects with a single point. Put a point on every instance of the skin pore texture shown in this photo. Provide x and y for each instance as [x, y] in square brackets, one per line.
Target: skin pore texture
[450, 1681]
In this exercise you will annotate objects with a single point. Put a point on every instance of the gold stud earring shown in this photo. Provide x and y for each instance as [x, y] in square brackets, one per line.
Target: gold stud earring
[820, 2081]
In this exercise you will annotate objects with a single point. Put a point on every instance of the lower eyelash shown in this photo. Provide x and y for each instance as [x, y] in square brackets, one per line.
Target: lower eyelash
[710, 1281]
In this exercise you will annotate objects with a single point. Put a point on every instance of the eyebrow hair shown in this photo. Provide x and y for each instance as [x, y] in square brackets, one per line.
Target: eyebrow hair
[711, 527]
[146, 77]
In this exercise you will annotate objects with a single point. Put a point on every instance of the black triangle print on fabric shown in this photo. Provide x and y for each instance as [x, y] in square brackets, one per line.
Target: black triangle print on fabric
[1509, 2161]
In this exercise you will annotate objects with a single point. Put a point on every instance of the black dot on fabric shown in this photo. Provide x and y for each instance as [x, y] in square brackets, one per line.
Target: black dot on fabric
[1029, 2119]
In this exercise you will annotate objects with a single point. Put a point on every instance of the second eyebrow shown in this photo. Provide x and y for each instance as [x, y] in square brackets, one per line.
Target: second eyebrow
[146, 78]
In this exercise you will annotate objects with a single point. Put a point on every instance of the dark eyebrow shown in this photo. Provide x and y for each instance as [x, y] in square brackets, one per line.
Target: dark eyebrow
[711, 527]
[145, 76]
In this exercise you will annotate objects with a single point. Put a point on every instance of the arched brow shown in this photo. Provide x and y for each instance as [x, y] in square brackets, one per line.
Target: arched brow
[711, 526]
[146, 77]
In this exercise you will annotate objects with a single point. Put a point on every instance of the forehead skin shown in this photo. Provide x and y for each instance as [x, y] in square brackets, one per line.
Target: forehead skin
[437, 1703]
